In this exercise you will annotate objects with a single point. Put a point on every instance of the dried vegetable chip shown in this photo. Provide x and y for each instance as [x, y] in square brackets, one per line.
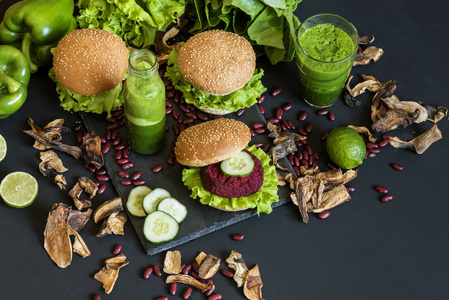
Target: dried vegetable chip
[421, 143]
[86, 185]
[172, 262]
[109, 274]
[51, 167]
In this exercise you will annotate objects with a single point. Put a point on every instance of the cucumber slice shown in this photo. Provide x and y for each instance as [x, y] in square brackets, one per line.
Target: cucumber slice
[135, 200]
[160, 227]
[239, 165]
[174, 208]
[151, 200]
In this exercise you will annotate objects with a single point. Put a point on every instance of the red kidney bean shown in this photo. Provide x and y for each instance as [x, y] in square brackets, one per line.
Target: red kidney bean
[147, 273]
[112, 126]
[383, 143]
[125, 152]
[397, 166]
[168, 103]
[166, 82]
[161, 72]
[103, 140]
[372, 145]
[261, 99]
[177, 97]
[195, 275]
[258, 125]
[304, 142]
[238, 237]
[299, 155]
[138, 182]
[191, 115]
[186, 269]
[381, 189]
[162, 298]
[157, 169]
[120, 147]
[209, 281]
[276, 92]
[215, 297]
[305, 154]
[291, 125]
[168, 111]
[102, 177]
[296, 169]
[323, 112]
[273, 120]
[187, 293]
[122, 122]
[240, 112]
[261, 108]
[279, 113]
[97, 297]
[324, 214]
[285, 124]
[302, 116]
[215, 117]
[386, 136]
[252, 132]
[315, 164]
[181, 126]
[127, 166]
[91, 168]
[187, 121]
[297, 161]
[119, 154]
[305, 163]
[108, 134]
[386, 198]
[101, 189]
[331, 166]
[356, 169]
[195, 267]
[123, 174]
[171, 94]
[366, 154]
[309, 127]
[316, 155]
[173, 288]
[350, 188]
[106, 147]
[136, 175]
[266, 147]
[309, 150]
[227, 273]
[203, 281]
[331, 116]
[310, 160]
[287, 107]
[114, 134]
[324, 136]
[290, 158]
[302, 131]
[125, 182]
[157, 270]
[258, 145]
[374, 150]
[260, 131]
[78, 126]
[175, 114]
[371, 155]
[117, 249]
[209, 291]
[171, 159]
[117, 141]
[184, 107]
[202, 117]
[101, 172]
[122, 161]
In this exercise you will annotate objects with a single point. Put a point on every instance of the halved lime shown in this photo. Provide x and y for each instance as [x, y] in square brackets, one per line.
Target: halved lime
[2, 147]
[18, 189]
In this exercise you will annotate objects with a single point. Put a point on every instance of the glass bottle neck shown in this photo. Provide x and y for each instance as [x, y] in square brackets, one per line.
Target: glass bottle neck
[142, 63]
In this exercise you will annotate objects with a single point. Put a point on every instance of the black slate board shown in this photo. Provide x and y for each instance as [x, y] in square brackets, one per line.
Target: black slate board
[201, 219]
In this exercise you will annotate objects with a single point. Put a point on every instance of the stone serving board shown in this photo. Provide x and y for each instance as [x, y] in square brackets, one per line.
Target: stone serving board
[201, 219]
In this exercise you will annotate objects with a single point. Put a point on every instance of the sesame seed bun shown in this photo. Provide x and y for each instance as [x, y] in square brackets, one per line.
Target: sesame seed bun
[211, 142]
[217, 62]
[90, 61]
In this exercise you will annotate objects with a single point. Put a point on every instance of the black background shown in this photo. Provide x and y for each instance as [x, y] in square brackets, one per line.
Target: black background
[365, 250]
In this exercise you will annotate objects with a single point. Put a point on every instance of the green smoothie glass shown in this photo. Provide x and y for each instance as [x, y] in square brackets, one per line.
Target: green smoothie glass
[144, 94]
[327, 49]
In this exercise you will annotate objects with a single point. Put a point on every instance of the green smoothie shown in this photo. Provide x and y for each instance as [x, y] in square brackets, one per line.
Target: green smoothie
[144, 94]
[325, 60]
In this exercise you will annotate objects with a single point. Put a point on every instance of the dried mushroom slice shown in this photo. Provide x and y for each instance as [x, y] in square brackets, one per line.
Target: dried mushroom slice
[86, 185]
[79, 246]
[114, 224]
[331, 199]
[51, 167]
[365, 56]
[51, 131]
[369, 83]
[208, 266]
[420, 143]
[109, 274]
[91, 147]
[252, 288]
[74, 151]
[434, 113]
[77, 219]
[187, 279]
[107, 208]
[365, 131]
[280, 151]
[172, 262]
[56, 238]
[235, 261]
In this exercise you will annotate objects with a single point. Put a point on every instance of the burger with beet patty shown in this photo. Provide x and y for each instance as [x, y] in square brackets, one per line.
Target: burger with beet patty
[224, 172]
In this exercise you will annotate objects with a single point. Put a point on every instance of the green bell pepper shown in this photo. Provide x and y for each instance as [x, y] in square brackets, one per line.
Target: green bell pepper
[36, 26]
[14, 77]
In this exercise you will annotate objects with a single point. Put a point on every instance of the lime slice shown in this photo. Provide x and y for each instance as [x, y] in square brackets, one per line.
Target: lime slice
[18, 189]
[2, 147]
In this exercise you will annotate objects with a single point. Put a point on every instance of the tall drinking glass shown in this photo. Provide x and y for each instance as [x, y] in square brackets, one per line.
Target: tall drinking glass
[327, 49]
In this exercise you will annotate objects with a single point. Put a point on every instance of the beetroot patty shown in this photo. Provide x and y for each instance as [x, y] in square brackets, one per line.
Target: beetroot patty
[229, 186]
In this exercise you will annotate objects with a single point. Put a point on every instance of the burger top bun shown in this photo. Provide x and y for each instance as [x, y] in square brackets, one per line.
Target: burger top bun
[217, 62]
[90, 61]
[211, 142]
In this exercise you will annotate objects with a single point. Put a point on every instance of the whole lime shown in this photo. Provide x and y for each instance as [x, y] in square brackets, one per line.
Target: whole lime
[345, 147]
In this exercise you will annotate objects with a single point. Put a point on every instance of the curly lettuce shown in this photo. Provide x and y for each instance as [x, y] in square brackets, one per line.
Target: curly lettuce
[261, 200]
[135, 21]
[104, 102]
[244, 97]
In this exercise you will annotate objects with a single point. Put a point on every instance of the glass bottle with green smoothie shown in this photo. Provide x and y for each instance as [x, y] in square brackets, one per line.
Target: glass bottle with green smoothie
[144, 94]
[327, 49]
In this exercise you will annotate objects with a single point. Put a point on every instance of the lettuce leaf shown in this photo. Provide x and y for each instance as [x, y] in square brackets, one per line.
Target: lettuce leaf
[104, 102]
[244, 97]
[135, 21]
[261, 200]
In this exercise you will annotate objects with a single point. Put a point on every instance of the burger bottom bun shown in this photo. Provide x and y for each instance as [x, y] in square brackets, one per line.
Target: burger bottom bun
[214, 111]
[230, 210]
